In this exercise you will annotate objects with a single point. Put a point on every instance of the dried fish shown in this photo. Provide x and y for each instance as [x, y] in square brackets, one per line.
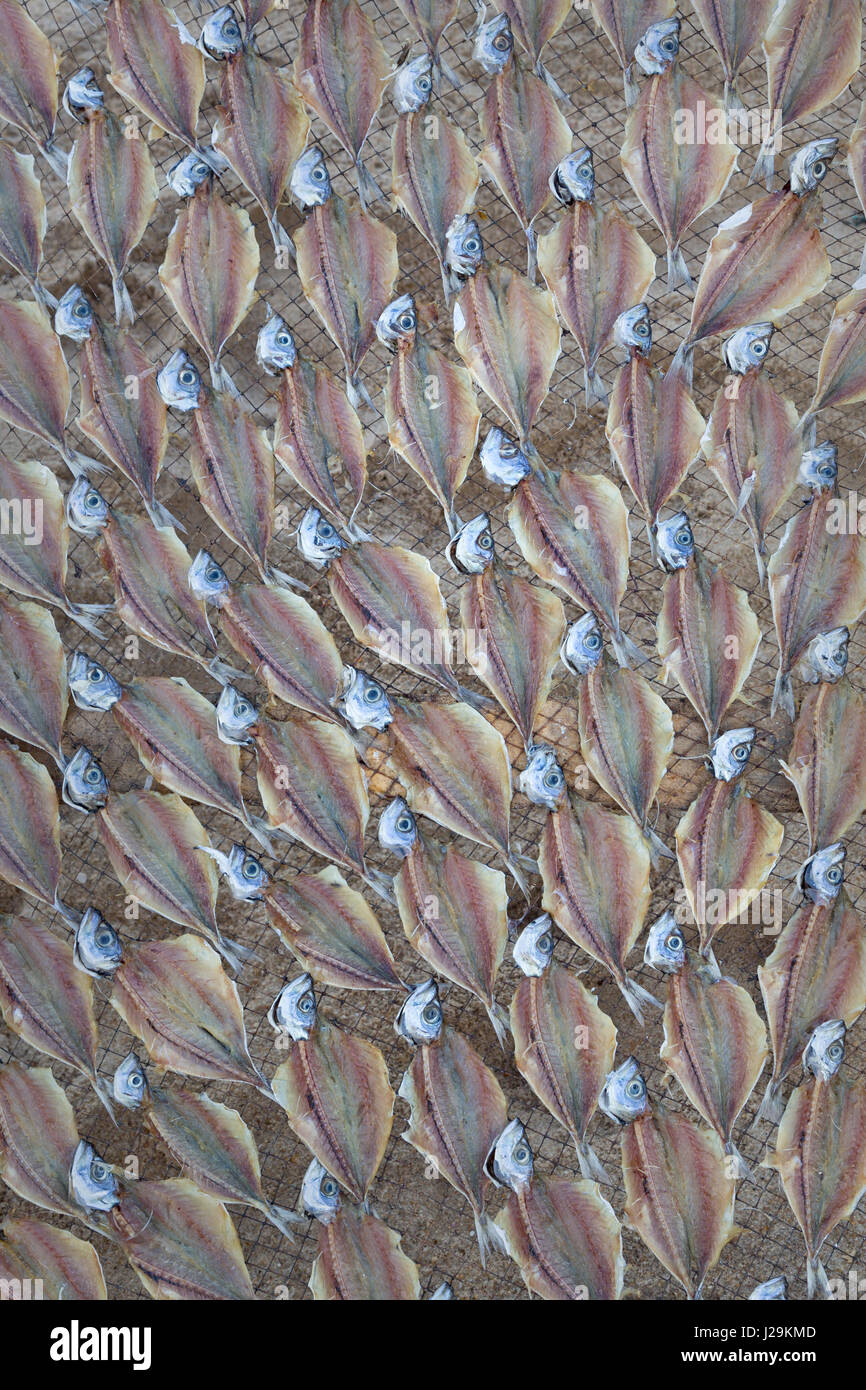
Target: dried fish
[842, 369]
[180, 1242]
[824, 761]
[817, 971]
[675, 179]
[727, 843]
[30, 829]
[33, 689]
[454, 910]
[28, 81]
[595, 868]
[525, 136]
[817, 574]
[360, 1259]
[534, 23]
[112, 193]
[335, 1091]
[210, 1142]
[679, 1190]
[624, 22]
[261, 130]
[594, 262]
[34, 380]
[653, 426]
[507, 333]
[36, 1255]
[735, 31]
[512, 629]
[47, 1002]
[23, 219]
[38, 1137]
[752, 442]
[340, 70]
[430, 19]
[347, 264]
[707, 634]
[457, 1106]
[564, 1043]
[563, 1235]
[820, 1152]
[430, 408]
[767, 258]
[812, 51]
[209, 272]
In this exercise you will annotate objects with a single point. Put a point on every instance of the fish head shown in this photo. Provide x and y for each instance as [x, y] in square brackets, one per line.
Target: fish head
[494, 44]
[464, 249]
[179, 381]
[85, 785]
[92, 1183]
[397, 829]
[97, 951]
[221, 35]
[129, 1086]
[206, 578]
[244, 873]
[235, 715]
[633, 330]
[825, 1051]
[275, 346]
[397, 322]
[471, 550]
[582, 647]
[808, 167]
[658, 48]
[363, 701]
[771, 1289]
[187, 174]
[665, 948]
[542, 780]
[674, 542]
[91, 685]
[823, 874]
[624, 1096]
[533, 949]
[510, 1162]
[413, 84]
[502, 459]
[320, 1193]
[294, 1009]
[826, 657]
[420, 1019]
[730, 752]
[573, 179]
[82, 93]
[318, 540]
[819, 468]
[73, 317]
[310, 183]
[746, 349]
[86, 508]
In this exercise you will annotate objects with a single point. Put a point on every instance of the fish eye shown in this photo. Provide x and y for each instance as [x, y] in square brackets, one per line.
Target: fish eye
[683, 536]
[431, 1013]
[251, 867]
[404, 824]
[553, 778]
[407, 321]
[635, 1088]
[186, 377]
[819, 169]
[485, 541]
[306, 1003]
[98, 1171]
[94, 674]
[92, 500]
[593, 641]
[328, 1187]
[670, 45]
[242, 708]
[834, 874]
[521, 1154]
[105, 938]
[326, 530]
[472, 245]
[135, 1078]
[741, 752]
[318, 171]
[372, 694]
[835, 1050]
[641, 328]
[81, 310]
[507, 450]
[93, 775]
[424, 84]
[585, 171]
[674, 942]
[827, 470]
[545, 943]
[759, 349]
[283, 338]
[200, 168]
[502, 42]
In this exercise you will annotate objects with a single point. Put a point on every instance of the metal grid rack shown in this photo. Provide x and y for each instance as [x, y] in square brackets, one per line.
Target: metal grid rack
[434, 1221]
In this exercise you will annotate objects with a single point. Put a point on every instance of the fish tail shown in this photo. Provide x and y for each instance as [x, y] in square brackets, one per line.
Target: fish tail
[161, 516]
[224, 673]
[281, 238]
[57, 158]
[550, 82]
[447, 284]
[357, 392]
[258, 827]
[771, 1107]
[516, 870]
[280, 579]
[79, 612]
[678, 271]
[356, 532]
[487, 1235]
[631, 90]
[531, 256]
[78, 463]
[733, 100]
[759, 561]
[657, 847]
[43, 296]
[590, 1167]
[283, 1219]
[817, 1283]
[368, 189]
[742, 1171]
[234, 953]
[123, 306]
[501, 1026]
[221, 379]
[69, 915]
[440, 66]
[593, 386]
[212, 158]
[684, 361]
[105, 1096]
[783, 695]
[380, 884]
[763, 170]
[627, 652]
[474, 699]
[636, 996]
[862, 270]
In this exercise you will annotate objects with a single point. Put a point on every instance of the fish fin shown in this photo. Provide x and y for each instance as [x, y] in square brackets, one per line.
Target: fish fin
[817, 1283]
[281, 238]
[234, 953]
[224, 673]
[57, 158]
[81, 463]
[593, 386]
[635, 995]
[771, 1107]
[501, 1026]
[68, 914]
[783, 695]
[550, 82]
[763, 170]
[161, 516]
[487, 1234]
[78, 612]
[356, 532]
[368, 189]
[474, 699]
[222, 381]
[657, 847]
[43, 296]
[627, 652]
[678, 271]
[515, 866]
[590, 1167]
[105, 1096]
[742, 1171]
[684, 361]
[258, 828]
[631, 90]
[279, 579]
[357, 393]
[284, 1219]
[123, 307]
[380, 884]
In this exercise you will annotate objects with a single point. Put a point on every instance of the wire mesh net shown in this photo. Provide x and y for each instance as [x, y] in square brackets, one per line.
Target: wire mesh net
[433, 1219]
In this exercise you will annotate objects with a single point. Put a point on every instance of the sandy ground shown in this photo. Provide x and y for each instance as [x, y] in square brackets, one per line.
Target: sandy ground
[434, 1221]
